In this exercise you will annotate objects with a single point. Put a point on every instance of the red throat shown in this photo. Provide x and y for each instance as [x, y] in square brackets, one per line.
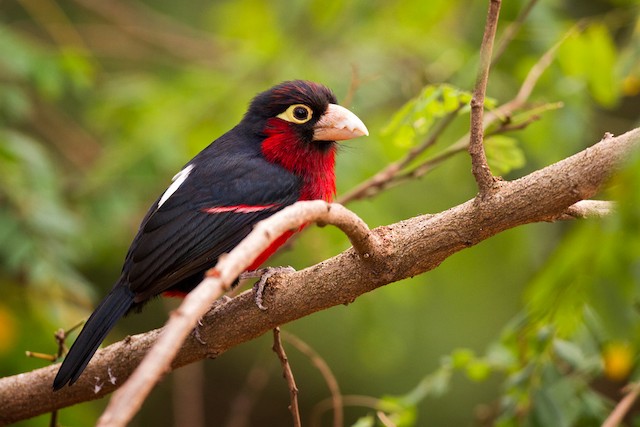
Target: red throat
[316, 167]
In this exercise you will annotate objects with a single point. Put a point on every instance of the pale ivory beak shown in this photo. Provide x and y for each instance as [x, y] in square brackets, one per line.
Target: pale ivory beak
[338, 124]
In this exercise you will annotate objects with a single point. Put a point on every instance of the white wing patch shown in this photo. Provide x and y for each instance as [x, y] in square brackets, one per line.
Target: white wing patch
[177, 182]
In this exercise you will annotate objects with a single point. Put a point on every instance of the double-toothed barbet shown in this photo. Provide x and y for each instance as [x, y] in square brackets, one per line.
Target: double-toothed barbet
[282, 151]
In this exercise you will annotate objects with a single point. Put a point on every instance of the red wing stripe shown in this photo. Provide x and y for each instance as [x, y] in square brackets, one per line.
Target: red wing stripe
[239, 208]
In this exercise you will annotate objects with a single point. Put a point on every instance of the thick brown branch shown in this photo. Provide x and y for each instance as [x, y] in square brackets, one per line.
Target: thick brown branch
[479, 165]
[409, 248]
[128, 400]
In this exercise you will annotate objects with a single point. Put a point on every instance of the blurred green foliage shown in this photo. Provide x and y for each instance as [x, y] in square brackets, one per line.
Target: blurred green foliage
[412, 122]
[101, 102]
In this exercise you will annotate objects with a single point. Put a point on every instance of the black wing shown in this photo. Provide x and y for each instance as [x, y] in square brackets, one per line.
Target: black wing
[180, 238]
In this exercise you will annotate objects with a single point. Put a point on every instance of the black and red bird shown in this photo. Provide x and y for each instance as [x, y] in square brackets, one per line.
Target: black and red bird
[282, 151]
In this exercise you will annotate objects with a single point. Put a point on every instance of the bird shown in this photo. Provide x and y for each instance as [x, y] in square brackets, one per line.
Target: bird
[283, 150]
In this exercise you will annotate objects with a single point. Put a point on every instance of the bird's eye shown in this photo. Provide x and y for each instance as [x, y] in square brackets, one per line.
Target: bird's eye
[300, 113]
[297, 113]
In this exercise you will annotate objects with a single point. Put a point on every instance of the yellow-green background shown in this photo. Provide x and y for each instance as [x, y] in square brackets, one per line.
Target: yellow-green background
[102, 102]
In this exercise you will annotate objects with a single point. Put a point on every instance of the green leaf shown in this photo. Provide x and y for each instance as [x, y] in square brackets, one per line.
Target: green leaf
[413, 121]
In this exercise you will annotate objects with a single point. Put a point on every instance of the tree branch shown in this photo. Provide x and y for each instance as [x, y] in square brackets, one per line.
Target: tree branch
[325, 371]
[622, 408]
[479, 165]
[288, 376]
[409, 248]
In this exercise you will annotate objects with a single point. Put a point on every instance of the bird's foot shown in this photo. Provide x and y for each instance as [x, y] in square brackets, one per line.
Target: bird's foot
[196, 333]
[196, 330]
[264, 274]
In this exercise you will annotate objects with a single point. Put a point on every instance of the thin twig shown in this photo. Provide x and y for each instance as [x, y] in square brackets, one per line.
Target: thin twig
[44, 356]
[60, 337]
[288, 376]
[354, 84]
[523, 120]
[430, 164]
[380, 180]
[384, 419]
[325, 371]
[479, 165]
[508, 126]
[622, 408]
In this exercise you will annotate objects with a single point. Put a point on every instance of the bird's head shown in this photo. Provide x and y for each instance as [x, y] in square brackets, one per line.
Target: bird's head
[300, 122]
[309, 110]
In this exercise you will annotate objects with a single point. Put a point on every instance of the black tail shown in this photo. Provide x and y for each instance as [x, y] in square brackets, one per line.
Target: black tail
[103, 319]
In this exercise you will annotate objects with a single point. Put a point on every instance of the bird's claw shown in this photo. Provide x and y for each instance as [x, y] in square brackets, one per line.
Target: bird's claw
[196, 331]
[264, 274]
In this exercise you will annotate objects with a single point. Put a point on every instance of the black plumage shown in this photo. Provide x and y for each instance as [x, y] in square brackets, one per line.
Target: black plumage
[215, 201]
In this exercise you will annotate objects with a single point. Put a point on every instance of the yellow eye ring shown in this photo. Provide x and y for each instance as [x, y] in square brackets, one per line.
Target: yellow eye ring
[297, 113]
